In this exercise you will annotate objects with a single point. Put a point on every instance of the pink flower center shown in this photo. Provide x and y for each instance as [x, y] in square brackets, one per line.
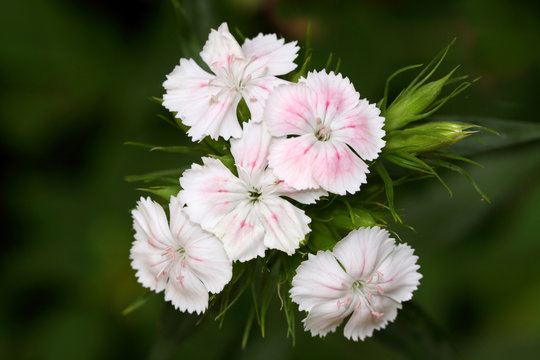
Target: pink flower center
[363, 292]
[323, 132]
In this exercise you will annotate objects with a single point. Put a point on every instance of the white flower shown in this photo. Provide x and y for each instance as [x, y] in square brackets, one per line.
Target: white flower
[246, 212]
[182, 259]
[324, 130]
[366, 276]
[207, 102]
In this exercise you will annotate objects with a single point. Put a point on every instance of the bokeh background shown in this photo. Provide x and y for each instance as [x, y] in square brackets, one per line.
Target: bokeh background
[75, 78]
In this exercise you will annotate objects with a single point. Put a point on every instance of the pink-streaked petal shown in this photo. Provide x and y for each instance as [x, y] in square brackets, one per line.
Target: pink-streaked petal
[207, 259]
[150, 223]
[362, 250]
[362, 129]
[318, 280]
[270, 55]
[202, 102]
[221, 48]
[186, 292]
[362, 323]
[325, 317]
[242, 233]
[400, 273]
[309, 196]
[256, 93]
[289, 110]
[292, 160]
[285, 225]
[250, 151]
[336, 168]
[335, 95]
[144, 258]
[211, 192]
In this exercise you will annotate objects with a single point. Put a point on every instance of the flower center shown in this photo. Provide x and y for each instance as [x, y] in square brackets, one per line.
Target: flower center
[254, 194]
[169, 258]
[323, 132]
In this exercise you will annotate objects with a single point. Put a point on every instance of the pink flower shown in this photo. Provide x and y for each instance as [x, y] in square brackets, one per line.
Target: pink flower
[366, 276]
[207, 102]
[247, 212]
[181, 259]
[324, 130]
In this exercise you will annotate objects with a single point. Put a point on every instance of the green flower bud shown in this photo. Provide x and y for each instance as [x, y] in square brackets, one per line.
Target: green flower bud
[409, 106]
[428, 137]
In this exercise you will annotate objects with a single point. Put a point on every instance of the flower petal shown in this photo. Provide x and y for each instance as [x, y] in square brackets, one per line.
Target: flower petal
[292, 160]
[400, 271]
[362, 129]
[309, 196]
[318, 280]
[256, 93]
[250, 152]
[270, 55]
[186, 292]
[336, 168]
[150, 223]
[363, 250]
[206, 257]
[211, 192]
[289, 111]
[285, 225]
[242, 233]
[144, 258]
[325, 317]
[362, 322]
[202, 102]
[221, 48]
[335, 95]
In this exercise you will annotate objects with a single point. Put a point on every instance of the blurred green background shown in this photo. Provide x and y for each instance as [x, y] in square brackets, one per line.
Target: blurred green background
[75, 78]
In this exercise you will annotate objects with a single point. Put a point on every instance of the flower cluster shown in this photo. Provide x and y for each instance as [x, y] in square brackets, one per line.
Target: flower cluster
[305, 144]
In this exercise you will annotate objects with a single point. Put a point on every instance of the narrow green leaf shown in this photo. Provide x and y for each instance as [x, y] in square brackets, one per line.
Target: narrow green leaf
[164, 192]
[171, 149]
[389, 189]
[138, 303]
[155, 175]
[329, 62]
[464, 173]
[247, 329]
[384, 101]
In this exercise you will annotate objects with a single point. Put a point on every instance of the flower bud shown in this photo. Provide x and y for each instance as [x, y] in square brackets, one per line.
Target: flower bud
[428, 137]
[409, 106]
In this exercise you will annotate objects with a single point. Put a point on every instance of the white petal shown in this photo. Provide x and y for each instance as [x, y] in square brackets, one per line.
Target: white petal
[362, 129]
[202, 102]
[335, 95]
[289, 111]
[362, 323]
[242, 233]
[144, 258]
[292, 160]
[221, 48]
[250, 152]
[211, 192]
[186, 292]
[309, 196]
[325, 317]
[150, 223]
[256, 93]
[401, 272]
[336, 168]
[285, 225]
[318, 280]
[207, 259]
[270, 55]
[363, 250]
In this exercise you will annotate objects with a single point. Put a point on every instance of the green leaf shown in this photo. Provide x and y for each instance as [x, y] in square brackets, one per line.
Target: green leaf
[171, 149]
[389, 189]
[164, 192]
[461, 171]
[138, 303]
[156, 175]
